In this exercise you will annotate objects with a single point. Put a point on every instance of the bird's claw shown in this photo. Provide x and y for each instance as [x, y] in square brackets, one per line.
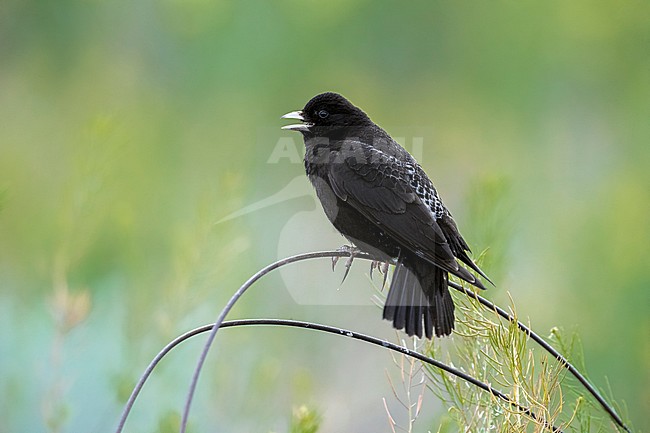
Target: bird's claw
[352, 251]
[374, 264]
[382, 268]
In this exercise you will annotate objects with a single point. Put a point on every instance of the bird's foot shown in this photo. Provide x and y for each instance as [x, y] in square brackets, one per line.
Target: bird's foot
[352, 251]
[382, 267]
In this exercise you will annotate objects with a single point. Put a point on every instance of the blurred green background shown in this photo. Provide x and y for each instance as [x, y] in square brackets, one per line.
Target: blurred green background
[128, 129]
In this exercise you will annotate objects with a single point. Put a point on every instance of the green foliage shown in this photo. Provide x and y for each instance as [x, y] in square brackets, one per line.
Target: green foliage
[498, 353]
[305, 420]
[128, 129]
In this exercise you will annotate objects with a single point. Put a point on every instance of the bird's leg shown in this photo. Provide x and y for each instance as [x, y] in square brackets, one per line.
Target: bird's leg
[352, 251]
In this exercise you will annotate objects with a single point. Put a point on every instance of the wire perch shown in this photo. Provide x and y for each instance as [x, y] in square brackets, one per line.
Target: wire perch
[342, 333]
[333, 254]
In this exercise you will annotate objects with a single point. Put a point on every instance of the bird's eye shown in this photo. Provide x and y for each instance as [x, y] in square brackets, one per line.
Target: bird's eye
[323, 114]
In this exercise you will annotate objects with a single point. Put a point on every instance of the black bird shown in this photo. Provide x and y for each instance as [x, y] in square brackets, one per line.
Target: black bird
[378, 196]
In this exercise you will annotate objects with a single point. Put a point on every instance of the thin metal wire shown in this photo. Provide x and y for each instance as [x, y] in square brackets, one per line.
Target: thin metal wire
[349, 334]
[333, 254]
[550, 349]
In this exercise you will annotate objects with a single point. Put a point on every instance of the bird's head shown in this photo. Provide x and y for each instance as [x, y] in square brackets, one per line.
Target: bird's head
[326, 113]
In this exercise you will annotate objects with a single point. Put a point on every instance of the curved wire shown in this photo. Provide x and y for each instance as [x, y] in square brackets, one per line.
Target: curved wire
[231, 303]
[343, 253]
[356, 336]
[550, 349]
[226, 309]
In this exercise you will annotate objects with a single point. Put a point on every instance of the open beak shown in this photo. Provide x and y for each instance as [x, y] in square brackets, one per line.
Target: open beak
[303, 127]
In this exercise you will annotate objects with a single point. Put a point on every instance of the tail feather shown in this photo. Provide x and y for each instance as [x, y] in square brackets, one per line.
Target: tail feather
[428, 322]
[414, 311]
[419, 301]
[442, 302]
[396, 302]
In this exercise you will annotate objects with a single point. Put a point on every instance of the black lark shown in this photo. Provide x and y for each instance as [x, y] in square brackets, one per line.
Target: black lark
[378, 196]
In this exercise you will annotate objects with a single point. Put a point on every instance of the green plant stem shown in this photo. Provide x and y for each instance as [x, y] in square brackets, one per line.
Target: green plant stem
[550, 349]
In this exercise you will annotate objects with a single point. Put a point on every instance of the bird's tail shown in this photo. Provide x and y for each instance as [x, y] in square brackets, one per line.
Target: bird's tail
[419, 300]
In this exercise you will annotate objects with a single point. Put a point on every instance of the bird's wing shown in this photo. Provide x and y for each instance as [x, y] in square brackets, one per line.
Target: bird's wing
[458, 245]
[377, 185]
